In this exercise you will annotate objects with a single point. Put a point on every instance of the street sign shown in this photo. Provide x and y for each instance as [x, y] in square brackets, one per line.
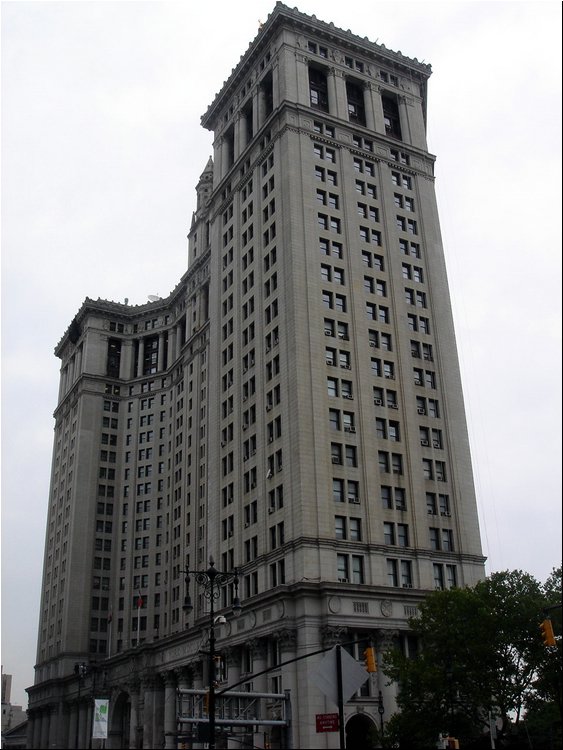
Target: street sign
[353, 676]
[327, 722]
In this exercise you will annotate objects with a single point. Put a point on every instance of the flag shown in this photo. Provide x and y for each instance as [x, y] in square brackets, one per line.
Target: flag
[140, 601]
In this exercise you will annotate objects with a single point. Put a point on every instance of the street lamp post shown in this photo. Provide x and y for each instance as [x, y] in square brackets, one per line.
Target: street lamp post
[211, 580]
[380, 710]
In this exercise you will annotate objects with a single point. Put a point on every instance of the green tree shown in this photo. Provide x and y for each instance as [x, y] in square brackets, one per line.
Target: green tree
[480, 652]
[544, 705]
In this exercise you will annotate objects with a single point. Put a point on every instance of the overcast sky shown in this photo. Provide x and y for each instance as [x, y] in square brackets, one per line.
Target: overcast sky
[102, 148]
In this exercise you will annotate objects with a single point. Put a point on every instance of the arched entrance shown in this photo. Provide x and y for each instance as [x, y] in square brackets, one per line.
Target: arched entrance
[119, 722]
[360, 733]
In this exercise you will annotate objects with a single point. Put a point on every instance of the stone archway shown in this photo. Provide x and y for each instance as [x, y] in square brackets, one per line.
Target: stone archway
[119, 722]
[360, 733]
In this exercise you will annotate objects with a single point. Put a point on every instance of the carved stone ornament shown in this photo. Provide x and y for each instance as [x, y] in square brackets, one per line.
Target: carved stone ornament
[386, 608]
[332, 634]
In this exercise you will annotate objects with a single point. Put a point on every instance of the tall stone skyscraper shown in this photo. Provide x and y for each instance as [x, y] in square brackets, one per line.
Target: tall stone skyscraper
[293, 408]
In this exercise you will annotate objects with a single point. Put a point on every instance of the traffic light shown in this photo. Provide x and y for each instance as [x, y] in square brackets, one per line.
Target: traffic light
[370, 659]
[547, 632]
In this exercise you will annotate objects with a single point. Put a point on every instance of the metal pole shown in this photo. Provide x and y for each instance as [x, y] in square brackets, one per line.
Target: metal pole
[381, 710]
[78, 711]
[212, 666]
[340, 697]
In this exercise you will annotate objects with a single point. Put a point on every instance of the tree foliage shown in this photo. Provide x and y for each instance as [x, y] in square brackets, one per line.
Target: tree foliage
[480, 651]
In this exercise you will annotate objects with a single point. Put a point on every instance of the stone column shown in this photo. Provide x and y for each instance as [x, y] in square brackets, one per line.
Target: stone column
[404, 120]
[158, 714]
[126, 360]
[384, 641]
[369, 106]
[54, 721]
[72, 725]
[36, 741]
[171, 347]
[148, 688]
[331, 92]
[45, 721]
[170, 711]
[240, 133]
[178, 341]
[139, 372]
[135, 737]
[258, 108]
[378, 109]
[64, 737]
[83, 724]
[160, 363]
[30, 727]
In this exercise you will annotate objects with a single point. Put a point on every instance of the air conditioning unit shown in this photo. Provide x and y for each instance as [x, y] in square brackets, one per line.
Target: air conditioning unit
[390, 377]
[328, 333]
[424, 442]
[245, 458]
[269, 407]
[373, 344]
[268, 349]
[245, 427]
[252, 453]
[415, 354]
[245, 398]
[246, 524]
[330, 363]
[429, 357]
[393, 406]
[378, 402]
[436, 444]
[418, 382]
[270, 439]
[349, 429]
[343, 580]
[335, 460]
[230, 533]
[354, 500]
[271, 509]
[346, 367]
[446, 514]
[431, 512]
[407, 585]
[344, 336]
[421, 410]
[347, 396]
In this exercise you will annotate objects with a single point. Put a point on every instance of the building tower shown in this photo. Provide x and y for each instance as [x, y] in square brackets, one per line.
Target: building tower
[294, 408]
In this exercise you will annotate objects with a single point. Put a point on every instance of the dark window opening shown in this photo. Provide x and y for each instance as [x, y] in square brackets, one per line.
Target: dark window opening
[230, 140]
[268, 89]
[356, 106]
[318, 89]
[248, 115]
[150, 356]
[391, 117]
[114, 358]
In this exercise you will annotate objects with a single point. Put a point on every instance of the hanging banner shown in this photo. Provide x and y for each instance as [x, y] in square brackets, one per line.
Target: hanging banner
[100, 722]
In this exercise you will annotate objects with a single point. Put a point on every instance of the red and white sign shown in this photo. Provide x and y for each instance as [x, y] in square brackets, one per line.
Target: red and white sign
[327, 722]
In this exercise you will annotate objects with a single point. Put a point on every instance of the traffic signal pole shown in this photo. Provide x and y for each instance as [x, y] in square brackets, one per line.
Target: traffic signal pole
[340, 697]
